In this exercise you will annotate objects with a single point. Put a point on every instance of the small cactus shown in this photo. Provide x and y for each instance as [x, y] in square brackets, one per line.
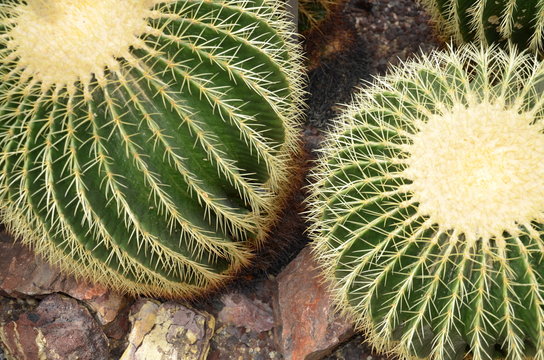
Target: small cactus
[428, 209]
[490, 22]
[145, 143]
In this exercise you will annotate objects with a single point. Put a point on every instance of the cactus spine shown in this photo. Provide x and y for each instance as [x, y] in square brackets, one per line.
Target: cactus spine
[489, 22]
[146, 144]
[428, 209]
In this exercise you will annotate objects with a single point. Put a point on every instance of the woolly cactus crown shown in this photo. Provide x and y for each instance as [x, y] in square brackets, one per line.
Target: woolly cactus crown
[146, 144]
[428, 209]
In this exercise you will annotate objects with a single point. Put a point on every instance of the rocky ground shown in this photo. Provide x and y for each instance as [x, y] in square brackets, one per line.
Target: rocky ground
[279, 309]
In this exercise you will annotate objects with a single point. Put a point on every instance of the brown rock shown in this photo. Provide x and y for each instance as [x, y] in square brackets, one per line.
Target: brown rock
[311, 328]
[19, 338]
[24, 274]
[241, 311]
[119, 327]
[58, 329]
[104, 302]
[168, 331]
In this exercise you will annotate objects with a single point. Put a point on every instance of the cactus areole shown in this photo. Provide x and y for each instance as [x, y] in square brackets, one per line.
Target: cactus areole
[428, 208]
[146, 144]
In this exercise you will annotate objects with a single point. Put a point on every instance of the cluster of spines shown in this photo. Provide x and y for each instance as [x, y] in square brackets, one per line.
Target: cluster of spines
[78, 158]
[415, 288]
[491, 22]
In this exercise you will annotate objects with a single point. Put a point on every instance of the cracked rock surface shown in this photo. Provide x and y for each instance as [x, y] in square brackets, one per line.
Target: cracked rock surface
[58, 328]
[168, 331]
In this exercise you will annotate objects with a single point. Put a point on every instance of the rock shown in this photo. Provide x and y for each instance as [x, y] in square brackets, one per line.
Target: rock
[58, 329]
[241, 311]
[310, 327]
[104, 302]
[23, 274]
[119, 327]
[22, 339]
[168, 331]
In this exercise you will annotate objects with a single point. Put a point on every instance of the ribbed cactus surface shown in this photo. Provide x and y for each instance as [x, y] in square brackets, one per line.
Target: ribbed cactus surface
[428, 209]
[146, 144]
[499, 21]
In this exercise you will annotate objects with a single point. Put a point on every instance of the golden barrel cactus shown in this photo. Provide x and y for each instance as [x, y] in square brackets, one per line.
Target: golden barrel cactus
[146, 144]
[428, 207]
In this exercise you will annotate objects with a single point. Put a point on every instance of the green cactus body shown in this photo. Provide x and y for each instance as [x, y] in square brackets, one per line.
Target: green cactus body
[428, 208]
[146, 144]
[498, 21]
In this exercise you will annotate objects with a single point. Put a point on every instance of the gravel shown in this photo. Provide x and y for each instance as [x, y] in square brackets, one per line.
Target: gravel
[391, 30]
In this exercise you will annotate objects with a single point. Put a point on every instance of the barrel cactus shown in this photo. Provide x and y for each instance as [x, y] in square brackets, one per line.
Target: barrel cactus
[499, 21]
[146, 144]
[428, 209]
